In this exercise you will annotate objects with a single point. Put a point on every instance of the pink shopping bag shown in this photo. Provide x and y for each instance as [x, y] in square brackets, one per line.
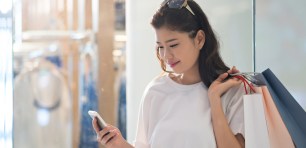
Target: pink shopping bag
[278, 133]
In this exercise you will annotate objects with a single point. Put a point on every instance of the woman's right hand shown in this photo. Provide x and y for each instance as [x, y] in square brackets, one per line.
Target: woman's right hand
[219, 86]
[110, 136]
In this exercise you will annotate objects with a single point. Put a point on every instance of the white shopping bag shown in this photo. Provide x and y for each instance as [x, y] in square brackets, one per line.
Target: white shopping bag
[256, 130]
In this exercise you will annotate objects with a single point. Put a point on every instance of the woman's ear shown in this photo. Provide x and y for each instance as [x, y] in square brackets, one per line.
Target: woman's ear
[200, 39]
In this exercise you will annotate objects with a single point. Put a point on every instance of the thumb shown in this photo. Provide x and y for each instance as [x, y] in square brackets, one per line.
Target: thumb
[95, 125]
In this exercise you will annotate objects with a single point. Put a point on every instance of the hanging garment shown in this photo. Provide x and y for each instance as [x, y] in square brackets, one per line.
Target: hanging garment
[56, 60]
[122, 106]
[89, 101]
[42, 107]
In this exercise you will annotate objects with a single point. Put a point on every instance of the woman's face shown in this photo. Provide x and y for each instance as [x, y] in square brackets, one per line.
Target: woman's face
[178, 50]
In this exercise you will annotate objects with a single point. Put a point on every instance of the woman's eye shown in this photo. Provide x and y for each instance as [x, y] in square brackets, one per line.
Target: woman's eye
[174, 45]
[160, 47]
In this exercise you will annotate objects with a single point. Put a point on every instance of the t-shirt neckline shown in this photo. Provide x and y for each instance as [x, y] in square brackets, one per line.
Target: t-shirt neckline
[182, 86]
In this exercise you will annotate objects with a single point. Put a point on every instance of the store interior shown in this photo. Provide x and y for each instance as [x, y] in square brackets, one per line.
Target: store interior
[69, 57]
[65, 57]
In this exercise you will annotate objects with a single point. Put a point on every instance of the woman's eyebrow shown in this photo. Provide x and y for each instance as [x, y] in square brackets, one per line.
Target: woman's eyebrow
[170, 40]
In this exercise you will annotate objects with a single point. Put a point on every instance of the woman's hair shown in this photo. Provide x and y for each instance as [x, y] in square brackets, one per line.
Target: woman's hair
[182, 20]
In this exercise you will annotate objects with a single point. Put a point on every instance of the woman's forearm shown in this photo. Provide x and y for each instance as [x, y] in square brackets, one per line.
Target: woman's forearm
[223, 134]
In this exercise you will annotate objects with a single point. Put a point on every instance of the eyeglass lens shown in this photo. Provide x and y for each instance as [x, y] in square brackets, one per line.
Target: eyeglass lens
[176, 3]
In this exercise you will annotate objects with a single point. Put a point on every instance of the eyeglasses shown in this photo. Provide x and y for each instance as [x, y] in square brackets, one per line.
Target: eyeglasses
[177, 4]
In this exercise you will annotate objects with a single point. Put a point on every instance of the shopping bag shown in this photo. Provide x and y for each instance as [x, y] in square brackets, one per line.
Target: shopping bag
[279, 136]
[256, 130]
[291, 112]
[256, 133]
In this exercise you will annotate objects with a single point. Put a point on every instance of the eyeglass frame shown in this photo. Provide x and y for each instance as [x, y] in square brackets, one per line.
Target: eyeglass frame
[185, 4]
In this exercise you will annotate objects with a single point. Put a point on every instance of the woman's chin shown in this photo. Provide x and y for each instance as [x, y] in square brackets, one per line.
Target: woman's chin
[176, 71]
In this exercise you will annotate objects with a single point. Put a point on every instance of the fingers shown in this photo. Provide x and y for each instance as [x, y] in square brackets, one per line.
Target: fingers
[95, 125]
[108, 137]
[233, 70]
[222, 77]
[222, 84]
[107, 134]
[106, 130]
[231, 83]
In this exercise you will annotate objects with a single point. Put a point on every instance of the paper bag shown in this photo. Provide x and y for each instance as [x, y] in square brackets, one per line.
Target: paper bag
[278, 133]
[256, 133]
[291, 112]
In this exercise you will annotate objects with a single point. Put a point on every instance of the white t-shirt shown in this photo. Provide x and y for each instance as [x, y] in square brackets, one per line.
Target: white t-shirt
[173, 115]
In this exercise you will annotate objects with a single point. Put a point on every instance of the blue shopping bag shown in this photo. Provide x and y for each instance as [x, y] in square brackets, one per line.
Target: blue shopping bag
[291, 112]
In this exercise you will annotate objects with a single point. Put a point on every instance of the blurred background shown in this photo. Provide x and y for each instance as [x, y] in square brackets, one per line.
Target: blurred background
[61, 58]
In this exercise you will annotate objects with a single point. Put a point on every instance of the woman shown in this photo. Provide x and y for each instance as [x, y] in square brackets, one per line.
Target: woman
[194, 105]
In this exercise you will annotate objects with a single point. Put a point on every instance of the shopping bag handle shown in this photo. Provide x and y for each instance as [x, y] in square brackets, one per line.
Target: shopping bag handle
[245, 82]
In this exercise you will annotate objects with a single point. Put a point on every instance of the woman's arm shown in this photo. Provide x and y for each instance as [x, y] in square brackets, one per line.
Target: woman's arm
[223, 133]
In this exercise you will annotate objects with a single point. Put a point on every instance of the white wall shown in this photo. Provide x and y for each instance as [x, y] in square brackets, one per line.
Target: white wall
[231, 20]
[142, 65]
[281, 43]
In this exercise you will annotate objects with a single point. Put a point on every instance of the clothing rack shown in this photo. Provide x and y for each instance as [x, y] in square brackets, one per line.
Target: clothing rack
[67, 45]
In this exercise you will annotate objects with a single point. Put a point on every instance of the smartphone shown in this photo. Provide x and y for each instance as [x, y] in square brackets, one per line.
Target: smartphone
[94, 114]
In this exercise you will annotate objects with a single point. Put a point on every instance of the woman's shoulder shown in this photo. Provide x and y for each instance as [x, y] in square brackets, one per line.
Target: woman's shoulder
[236, 90]
[234, 94]
[157, 82]
[155, 88]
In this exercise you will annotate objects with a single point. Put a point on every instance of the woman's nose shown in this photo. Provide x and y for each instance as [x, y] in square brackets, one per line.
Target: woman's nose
[167, 53]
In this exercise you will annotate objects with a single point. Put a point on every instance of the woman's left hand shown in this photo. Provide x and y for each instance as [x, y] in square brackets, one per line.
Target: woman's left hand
[219, 86]
[110, 136]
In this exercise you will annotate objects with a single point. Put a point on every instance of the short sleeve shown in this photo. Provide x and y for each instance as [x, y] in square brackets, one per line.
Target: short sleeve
[141, 140]
[234, 110]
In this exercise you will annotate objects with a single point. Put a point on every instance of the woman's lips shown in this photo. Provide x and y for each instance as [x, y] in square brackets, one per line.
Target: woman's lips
[173, 64]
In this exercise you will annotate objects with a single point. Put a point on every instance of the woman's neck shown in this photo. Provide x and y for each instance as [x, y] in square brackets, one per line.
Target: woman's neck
[187, 78]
